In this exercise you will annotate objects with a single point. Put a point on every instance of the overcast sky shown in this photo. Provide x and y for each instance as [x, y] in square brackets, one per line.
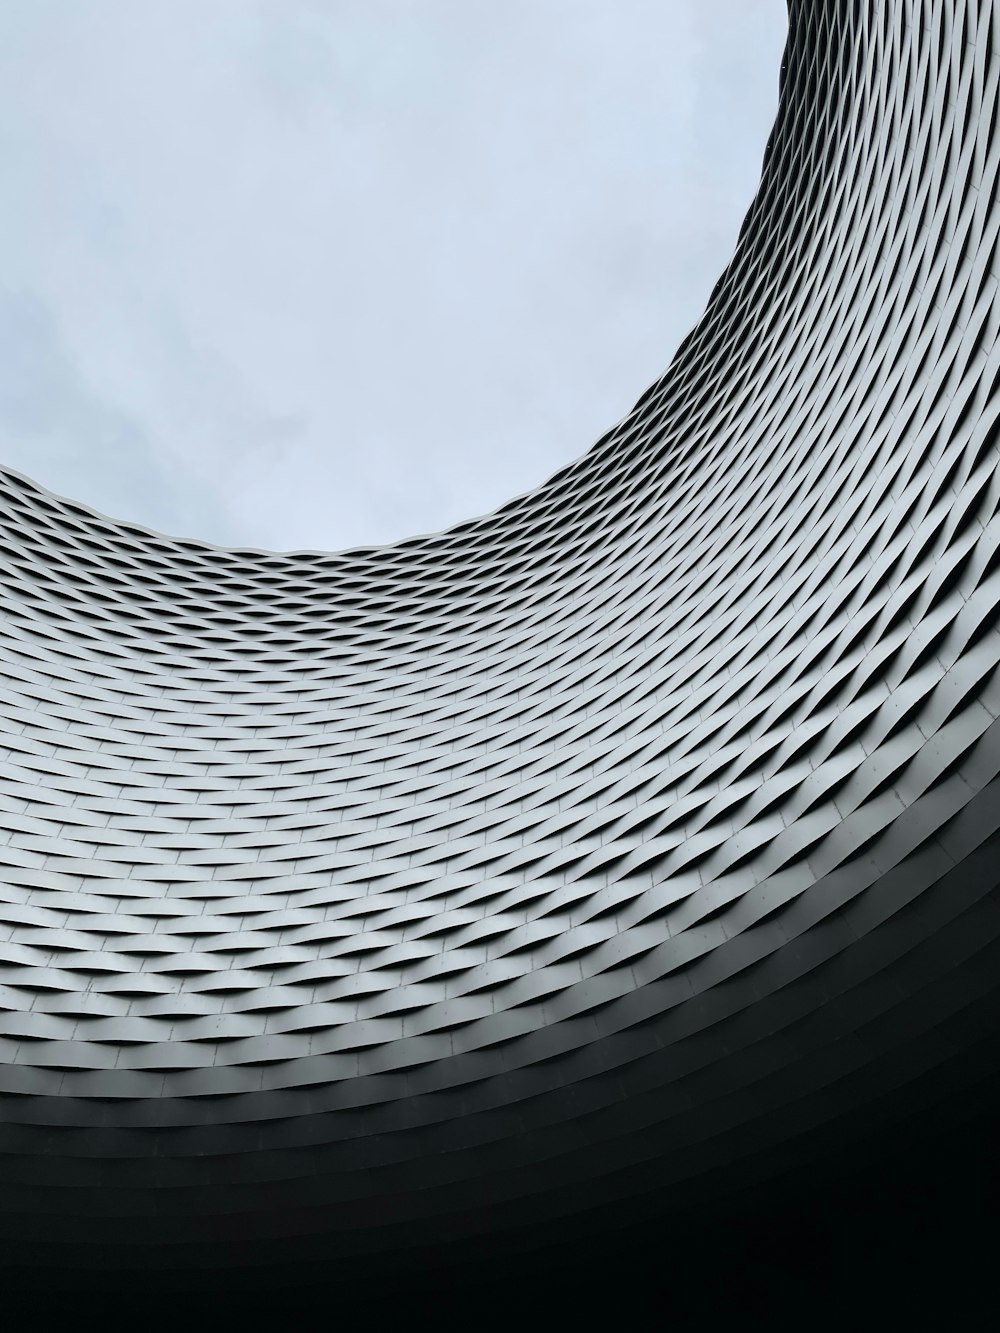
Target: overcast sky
[321, 273]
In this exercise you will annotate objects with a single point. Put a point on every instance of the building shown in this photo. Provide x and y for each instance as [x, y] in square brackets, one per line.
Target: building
[631, 843]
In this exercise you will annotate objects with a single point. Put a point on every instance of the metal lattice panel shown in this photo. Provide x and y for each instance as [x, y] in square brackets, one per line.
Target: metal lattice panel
[632, 831]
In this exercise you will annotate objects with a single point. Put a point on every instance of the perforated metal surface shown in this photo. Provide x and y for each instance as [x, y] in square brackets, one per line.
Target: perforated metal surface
[638, 828]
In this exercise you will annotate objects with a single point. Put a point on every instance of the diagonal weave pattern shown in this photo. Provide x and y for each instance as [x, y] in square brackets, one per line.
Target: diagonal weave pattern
[603, 843]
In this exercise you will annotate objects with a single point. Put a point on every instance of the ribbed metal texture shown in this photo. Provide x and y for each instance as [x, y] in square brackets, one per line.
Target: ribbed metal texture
[603, 844]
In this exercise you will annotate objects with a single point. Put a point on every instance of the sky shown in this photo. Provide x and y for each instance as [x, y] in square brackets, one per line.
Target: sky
[325, 273]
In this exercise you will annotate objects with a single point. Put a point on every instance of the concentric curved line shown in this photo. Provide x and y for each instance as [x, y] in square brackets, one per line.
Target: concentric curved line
[638, 836]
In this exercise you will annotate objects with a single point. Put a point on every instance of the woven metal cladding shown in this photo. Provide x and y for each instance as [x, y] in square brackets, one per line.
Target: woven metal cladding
[611, 841]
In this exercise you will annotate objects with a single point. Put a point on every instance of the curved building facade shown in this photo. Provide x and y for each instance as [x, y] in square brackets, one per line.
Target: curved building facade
[635, 839]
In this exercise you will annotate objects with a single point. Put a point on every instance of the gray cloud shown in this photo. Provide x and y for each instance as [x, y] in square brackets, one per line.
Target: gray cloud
[50, 421]
[320, 274]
